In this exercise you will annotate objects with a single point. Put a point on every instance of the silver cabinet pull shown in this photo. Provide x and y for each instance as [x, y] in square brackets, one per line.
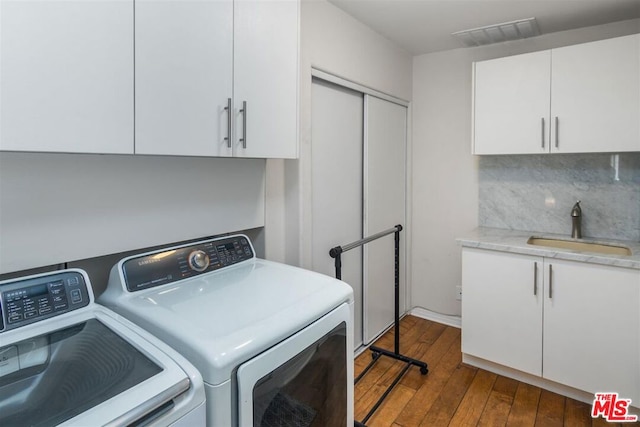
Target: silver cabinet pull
[557, 125]
[244, 124]
[535, 278]
[550, 281]
[229, 119]
[543, 132]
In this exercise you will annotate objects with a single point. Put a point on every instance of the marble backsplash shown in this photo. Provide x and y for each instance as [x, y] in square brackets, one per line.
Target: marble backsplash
[537, 192]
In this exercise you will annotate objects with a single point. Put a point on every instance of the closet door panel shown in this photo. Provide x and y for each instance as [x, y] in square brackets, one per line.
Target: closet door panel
[384, 207]
[336, 146]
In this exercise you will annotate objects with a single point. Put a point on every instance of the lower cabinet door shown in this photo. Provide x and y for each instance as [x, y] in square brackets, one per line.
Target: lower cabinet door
[592, 327]
[502, 308]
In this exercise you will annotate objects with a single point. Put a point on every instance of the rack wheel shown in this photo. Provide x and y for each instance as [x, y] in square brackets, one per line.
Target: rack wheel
[423, 370]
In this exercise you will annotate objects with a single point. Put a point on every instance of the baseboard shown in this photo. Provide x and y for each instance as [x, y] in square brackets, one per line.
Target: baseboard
[445, 319]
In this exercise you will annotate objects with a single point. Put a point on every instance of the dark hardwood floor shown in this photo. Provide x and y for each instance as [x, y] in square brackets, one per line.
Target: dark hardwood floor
[452, 393]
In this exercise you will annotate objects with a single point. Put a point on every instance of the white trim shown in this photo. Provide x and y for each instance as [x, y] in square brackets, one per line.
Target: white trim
[445, 319]
[365, 221]
[340, 81]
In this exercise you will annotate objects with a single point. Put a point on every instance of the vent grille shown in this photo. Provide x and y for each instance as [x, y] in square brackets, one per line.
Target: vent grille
[498, 33]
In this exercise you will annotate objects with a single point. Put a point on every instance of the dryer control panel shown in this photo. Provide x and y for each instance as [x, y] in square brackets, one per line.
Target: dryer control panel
[32, 299]
[174, 264]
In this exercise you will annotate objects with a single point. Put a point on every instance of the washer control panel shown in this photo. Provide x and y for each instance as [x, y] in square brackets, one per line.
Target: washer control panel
[30, 300]
[172, 265]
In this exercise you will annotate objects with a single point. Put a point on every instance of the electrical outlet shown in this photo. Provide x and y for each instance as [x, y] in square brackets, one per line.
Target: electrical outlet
[459, 293]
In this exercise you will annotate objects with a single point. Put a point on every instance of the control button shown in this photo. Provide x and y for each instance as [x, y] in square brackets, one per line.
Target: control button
[198, 260]
[73, 281]
[76, 296]
[61, 306]
[15, 318]
[56, 288]
[59, 299]
[30, 314]
[45, 310]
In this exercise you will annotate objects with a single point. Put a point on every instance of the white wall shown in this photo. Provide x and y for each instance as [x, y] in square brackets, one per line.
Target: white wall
[57, 208]
[334, 42]
[445, 174]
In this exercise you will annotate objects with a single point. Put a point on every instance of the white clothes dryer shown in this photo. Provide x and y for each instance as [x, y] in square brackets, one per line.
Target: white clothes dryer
[65, 360]
[274, 343]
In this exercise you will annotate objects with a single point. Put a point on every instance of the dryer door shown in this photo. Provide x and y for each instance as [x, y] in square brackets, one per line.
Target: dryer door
[306, 380]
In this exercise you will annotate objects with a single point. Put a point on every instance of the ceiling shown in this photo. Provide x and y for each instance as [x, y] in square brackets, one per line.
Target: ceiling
[425, 26]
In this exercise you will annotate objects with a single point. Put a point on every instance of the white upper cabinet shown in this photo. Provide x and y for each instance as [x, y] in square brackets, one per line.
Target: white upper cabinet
[183, 75]
[266, 78]
[577, 99]
[216, 78]
[512, 104]
[66, 72]
[595, 96]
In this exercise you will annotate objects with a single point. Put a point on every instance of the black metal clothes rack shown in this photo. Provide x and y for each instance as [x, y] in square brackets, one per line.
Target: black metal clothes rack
[376, 352]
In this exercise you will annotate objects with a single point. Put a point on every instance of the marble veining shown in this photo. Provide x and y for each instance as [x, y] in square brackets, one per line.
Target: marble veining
[536, 193]
[513, 241]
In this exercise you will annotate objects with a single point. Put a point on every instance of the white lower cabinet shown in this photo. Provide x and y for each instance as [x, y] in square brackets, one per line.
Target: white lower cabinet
[502, 309]
[573, 323]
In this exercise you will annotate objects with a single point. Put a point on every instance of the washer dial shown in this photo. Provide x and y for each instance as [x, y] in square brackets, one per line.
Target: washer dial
[198, 260]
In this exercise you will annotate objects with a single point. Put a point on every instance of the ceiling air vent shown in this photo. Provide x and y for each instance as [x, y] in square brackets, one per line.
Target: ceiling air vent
[498, 33]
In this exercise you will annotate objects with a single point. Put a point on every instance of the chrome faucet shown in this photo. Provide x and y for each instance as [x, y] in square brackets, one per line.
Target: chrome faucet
[576, 221]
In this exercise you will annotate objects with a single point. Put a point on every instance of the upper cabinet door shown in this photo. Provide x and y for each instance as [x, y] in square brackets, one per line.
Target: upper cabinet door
[595, 98]
[66, 76]
[511, 104]
[183, 75]
[266, 78]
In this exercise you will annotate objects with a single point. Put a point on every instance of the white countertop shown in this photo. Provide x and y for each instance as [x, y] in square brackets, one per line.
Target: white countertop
[516, 242]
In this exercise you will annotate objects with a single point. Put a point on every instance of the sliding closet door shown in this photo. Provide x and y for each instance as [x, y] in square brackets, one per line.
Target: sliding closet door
[384, 207]
[336, 152]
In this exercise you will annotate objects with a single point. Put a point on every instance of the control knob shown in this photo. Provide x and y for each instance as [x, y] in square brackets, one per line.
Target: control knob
[198, 260]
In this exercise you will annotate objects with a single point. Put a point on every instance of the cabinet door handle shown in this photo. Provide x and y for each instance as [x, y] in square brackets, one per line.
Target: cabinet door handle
[228, 110]
[557, 126]
[244, 124]
[543, 132]
[535, 278]
[550, 281]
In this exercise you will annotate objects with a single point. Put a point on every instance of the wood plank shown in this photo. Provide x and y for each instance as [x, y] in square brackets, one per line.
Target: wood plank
[550, 409]
[391, 407]
[496, 411]
[444, 407]
[525, 406]
[417, 350]
[442, 398]
[371, 378]
[432, 356]
[506, 386]
[433, 384]
[576, 414]
[473, 403]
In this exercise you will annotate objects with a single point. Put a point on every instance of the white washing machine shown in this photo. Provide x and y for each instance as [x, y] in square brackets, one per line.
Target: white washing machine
[65, 360]
[274, 343]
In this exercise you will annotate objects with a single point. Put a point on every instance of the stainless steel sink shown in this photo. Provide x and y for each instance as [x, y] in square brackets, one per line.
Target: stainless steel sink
[602, 248]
